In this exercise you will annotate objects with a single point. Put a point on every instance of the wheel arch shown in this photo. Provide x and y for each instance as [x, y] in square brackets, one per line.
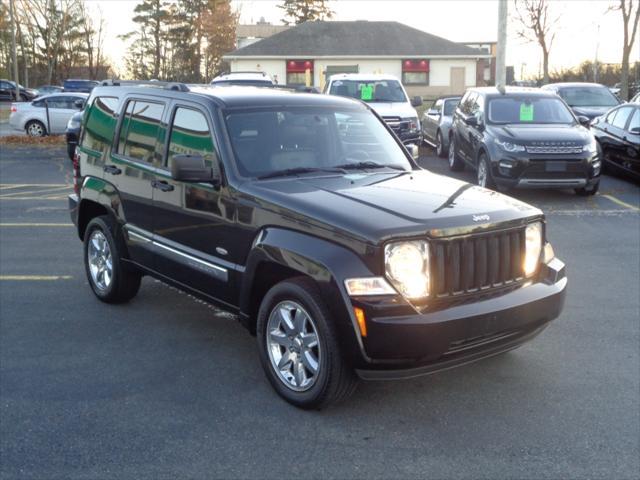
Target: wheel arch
[280, 254]
[98, 197]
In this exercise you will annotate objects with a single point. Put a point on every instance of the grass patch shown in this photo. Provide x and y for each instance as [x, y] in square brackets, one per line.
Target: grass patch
[5, 111]
[26, 140]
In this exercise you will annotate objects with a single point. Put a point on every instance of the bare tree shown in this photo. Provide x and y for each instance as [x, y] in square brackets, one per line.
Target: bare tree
[536, 24]
[629, 31]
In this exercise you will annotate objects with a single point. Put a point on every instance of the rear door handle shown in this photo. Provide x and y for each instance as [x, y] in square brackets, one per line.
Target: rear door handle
[162, 185]
[112, 169]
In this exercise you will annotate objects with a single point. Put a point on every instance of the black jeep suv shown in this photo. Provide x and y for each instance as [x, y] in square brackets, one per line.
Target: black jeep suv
[305, 216]
[519, 137]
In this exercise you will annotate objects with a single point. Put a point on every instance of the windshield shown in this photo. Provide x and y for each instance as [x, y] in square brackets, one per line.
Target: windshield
[528, 110]
[279, 139]
[369, 90]
[588, 97]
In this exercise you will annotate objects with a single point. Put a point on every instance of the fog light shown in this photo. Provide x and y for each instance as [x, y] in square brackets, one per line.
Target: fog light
[505, 167]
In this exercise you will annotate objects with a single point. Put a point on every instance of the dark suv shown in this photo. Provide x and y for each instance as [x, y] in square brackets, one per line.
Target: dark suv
[305, 216]
[520, 137]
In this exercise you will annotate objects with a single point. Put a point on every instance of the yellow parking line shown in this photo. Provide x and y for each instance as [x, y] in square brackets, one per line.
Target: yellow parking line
[18, 185]
[31, 192]
[34, 198]
[620, 202]
[34, 278]
[36, 225]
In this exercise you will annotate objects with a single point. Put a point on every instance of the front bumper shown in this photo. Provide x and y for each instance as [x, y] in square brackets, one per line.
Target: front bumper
[544, 171]
[419, 344]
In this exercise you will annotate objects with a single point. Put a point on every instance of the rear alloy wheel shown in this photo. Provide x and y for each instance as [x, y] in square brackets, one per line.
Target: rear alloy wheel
[455, 163]
[299, 348]
[35, 129]
[110, 279]
[484, 177]
[440, 151]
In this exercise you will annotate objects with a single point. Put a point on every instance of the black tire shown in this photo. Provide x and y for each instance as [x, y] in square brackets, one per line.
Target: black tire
[483, 163]
[125, 281]
[71, 151]
[335, 379]
[441, 151]
[588, 191]
[35, 128]
[456, 164]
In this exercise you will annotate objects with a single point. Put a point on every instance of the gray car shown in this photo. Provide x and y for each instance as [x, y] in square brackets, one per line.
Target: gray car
[436, 123]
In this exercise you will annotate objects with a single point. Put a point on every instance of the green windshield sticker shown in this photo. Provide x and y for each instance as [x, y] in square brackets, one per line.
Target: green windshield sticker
[366, 92]
[526, 112]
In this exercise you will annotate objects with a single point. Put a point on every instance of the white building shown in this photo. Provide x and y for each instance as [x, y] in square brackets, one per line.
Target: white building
[308, 53]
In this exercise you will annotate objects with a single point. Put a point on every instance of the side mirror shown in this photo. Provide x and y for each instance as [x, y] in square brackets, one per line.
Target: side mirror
[191, 168]
[584, 121]
[471, 120]
[416, 101]
[635, 130]
[79, 104]
[433, 111]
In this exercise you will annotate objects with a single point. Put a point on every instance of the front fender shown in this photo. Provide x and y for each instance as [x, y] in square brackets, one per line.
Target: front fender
[325, 262]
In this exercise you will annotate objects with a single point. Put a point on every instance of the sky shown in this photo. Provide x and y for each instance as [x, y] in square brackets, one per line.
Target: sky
[584, 26]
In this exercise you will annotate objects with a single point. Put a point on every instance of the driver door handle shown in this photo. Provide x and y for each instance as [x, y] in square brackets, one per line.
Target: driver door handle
[112, 169]
[162, 185]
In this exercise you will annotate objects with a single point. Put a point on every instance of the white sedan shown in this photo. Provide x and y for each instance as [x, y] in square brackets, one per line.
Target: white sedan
[32, 116]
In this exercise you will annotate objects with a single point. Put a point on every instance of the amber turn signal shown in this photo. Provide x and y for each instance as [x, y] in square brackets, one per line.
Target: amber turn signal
[362, 323]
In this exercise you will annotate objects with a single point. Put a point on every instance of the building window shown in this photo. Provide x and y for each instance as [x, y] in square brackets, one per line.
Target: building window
[415, 72]
[297, 72]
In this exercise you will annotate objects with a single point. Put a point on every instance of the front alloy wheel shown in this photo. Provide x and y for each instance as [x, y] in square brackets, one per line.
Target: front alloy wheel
[292, 343]
[299, 348]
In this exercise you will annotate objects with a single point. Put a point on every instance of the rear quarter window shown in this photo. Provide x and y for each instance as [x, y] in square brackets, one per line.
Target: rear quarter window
[139, 130]
[100, 124]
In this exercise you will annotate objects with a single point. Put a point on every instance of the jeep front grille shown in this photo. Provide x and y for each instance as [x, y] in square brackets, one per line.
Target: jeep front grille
[477, 263]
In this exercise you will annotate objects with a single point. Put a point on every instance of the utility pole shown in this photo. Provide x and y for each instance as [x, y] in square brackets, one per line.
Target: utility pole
[595, 61]
[501, 50]
[14, 52]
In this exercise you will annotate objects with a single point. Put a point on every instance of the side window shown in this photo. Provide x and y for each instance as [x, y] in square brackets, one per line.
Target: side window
[139, 130]
[57, 102]
[611, 116]
[463, 101]
[190, 135]
[634, 124]
[620, 121]
[100, 124]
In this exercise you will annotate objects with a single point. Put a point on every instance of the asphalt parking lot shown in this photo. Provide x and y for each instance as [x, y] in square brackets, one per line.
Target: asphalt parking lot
[168, 387]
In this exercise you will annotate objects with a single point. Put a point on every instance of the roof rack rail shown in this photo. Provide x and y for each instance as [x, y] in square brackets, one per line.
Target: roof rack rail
[114, 82]
[264, 74]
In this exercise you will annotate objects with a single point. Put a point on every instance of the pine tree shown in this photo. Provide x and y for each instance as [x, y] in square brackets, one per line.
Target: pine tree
[300, 11]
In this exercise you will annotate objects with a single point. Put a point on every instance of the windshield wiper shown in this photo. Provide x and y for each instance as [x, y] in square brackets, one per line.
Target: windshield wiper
[297, 171]
[368, 164]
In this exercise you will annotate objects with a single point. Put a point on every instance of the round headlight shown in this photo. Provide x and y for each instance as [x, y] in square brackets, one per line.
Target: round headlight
[407, 267]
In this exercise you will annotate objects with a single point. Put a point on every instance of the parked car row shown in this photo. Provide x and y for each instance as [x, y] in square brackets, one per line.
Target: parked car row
[529, 137]
[8, 89]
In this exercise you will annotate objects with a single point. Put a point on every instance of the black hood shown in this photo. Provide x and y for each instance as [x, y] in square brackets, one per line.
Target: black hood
[378, 206]
[531, 134]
